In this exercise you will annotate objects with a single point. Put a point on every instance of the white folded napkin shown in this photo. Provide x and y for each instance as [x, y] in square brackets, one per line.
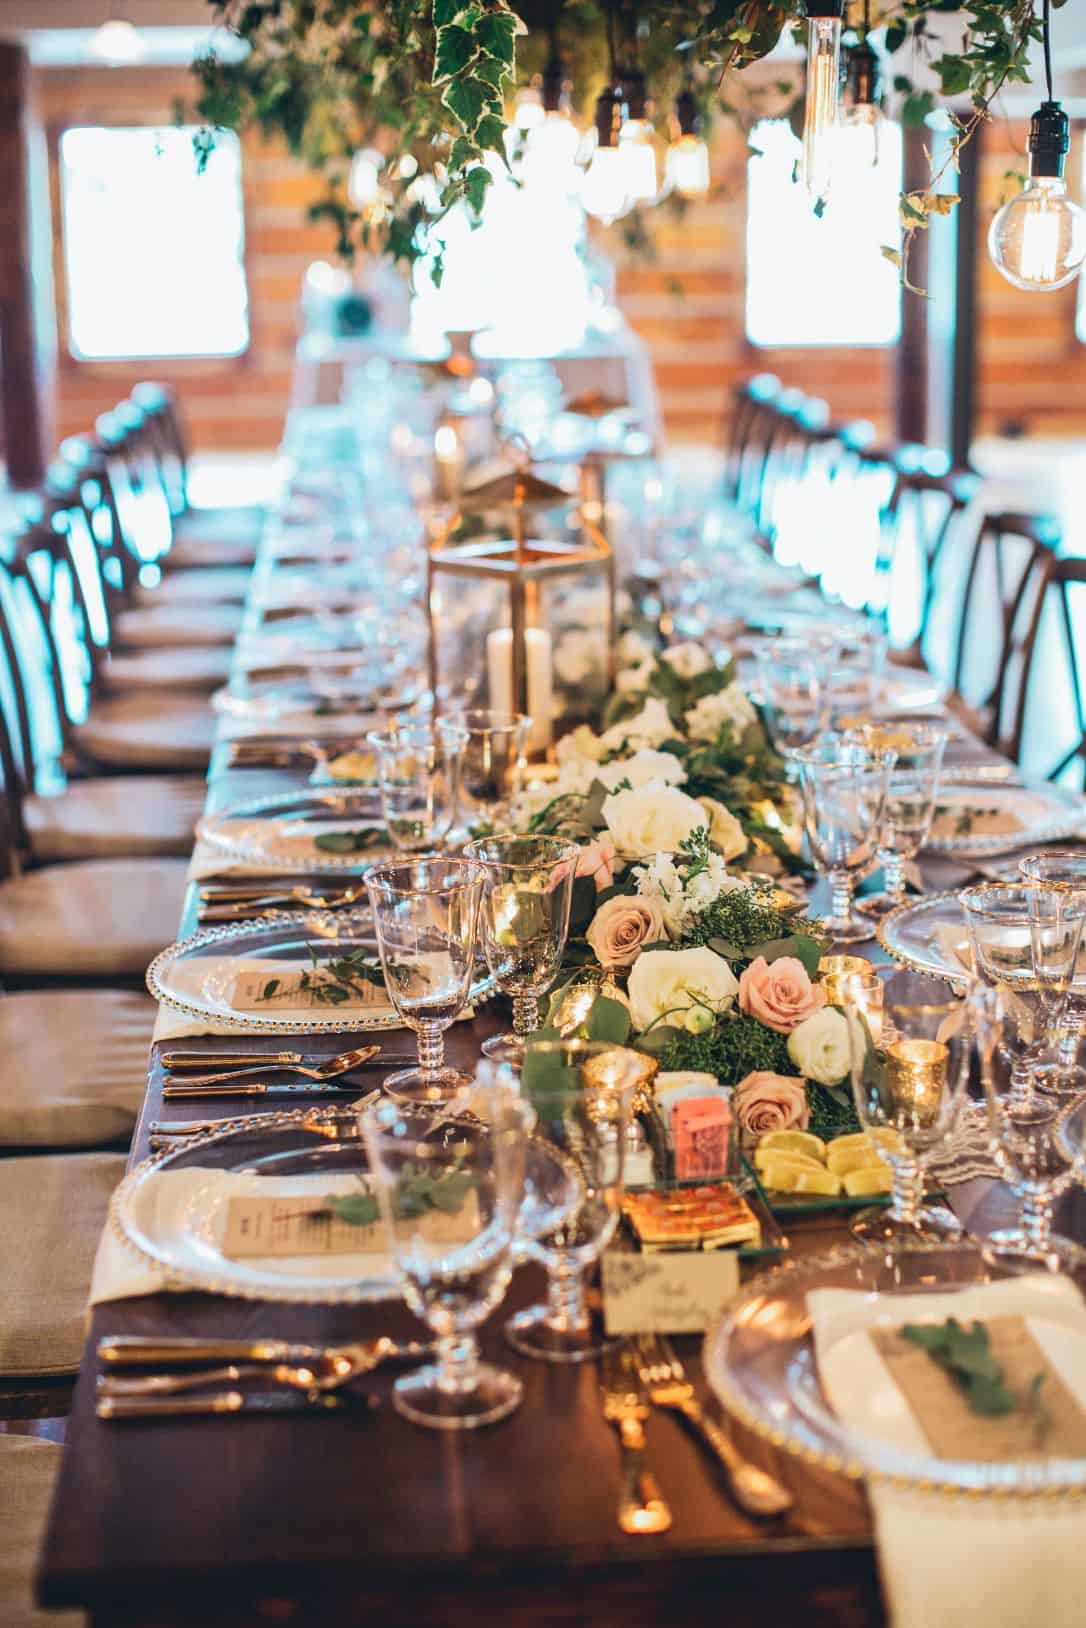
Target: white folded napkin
[185, 1210]
[955, 1561]
[211, 976]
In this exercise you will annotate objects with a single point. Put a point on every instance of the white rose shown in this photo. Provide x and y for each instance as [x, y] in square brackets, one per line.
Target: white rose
[578, 656]
[581, 742]
[728, 706]
[819, 1046]
[687, 660]
[651, 821]
[725, 831]
[634, 650]
[680, 988]
[643, 769]
[631, 679]
[650, 727]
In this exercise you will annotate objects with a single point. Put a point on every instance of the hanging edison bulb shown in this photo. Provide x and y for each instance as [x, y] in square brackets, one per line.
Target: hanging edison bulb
[862, 110]
[604, 190]
[636, 141]
[686, 169]
[1038, 239]
[553, 142]
[823, 94]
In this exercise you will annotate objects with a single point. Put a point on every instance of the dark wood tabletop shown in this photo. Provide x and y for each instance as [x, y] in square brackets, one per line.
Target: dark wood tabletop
[359, 1518]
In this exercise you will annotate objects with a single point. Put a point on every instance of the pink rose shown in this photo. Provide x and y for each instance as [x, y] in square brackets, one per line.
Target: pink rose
[622, 927]
[597, 859]
[779, 993]
[767, 1102]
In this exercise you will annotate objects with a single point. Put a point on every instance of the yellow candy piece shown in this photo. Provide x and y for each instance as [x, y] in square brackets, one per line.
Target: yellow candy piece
[788, 1176]
[880, 1135]
[842, 1160]
[764, 1156]
[803, 1142]
[875, 1178]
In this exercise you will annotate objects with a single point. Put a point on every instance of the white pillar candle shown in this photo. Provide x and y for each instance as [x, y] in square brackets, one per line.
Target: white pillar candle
[540, 668]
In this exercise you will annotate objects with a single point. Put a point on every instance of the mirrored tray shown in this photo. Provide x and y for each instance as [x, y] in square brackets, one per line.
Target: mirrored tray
[760, 1360]
[985, 818]
[200, 975]
[929, 935]
[303, 830]
[172, 1208]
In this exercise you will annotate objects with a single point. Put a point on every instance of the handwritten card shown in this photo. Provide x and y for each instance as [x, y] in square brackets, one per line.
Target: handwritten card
[674, 1293]
[264, 991]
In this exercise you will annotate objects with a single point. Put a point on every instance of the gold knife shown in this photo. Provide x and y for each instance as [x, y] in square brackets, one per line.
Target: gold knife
[116, 1408]
[642, 1508]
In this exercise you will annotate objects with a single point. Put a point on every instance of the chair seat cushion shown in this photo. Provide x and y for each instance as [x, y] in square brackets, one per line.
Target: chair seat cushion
[199, 586]
[73, 1066]
[111, 818]
[241, 521]
[29, 1468]
[149, 730]
[199, 670]
[209, 553]
[52, 1210]
[96, 918]
[148, 626]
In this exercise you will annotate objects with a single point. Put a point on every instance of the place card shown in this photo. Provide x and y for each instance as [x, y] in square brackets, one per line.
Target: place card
[676, 1293]
[264, 991]
[305, 1224]
[954, 1431]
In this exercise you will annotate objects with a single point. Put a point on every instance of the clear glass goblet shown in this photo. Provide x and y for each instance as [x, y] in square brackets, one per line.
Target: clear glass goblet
[426, 916]
[1025, 939]
[523, 923]
[418, 770]
[492, 764]
[1065, 868]
[910, 801]
[450, 1192]
[793, 681]
[844, 791]
[582, 1092]
[909, 1067]
[1026, 1141]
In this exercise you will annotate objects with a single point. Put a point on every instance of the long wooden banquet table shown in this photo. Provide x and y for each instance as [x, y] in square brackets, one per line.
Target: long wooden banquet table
[359, 1518]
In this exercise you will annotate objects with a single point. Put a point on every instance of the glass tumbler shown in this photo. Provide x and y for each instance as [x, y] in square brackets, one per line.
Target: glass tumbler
[418, 770]
[523, 923]
[909, 1067]
[426, 917]
[492, 764]
[844, 790]
[583, 1093]
[450, 1192]
[910, 801]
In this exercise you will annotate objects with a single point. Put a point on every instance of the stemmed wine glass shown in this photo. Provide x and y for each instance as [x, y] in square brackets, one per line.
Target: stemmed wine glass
[910, 1075]
[910, 801]
[844, 791]
[1025, 1126]
[450, 1191]
[418, 769]
[582, 1092]
[426, 915]
[523, 923]
[492, 763]
[793, 682]
[1065, 868]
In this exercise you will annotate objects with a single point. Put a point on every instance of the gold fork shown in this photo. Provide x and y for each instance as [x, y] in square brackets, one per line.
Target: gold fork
[664, 1378]
[641, 1507]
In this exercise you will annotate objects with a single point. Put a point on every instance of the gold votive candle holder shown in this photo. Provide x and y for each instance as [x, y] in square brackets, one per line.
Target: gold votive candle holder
[916, 1072]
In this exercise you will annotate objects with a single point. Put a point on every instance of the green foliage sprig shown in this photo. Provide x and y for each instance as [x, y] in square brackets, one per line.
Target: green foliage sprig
[965, 1354]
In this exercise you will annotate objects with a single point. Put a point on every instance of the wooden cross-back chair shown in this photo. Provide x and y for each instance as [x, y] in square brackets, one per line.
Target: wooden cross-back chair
[752, 421]
[166, 434]
[797, 422]
[925, 503]
[1037, 695]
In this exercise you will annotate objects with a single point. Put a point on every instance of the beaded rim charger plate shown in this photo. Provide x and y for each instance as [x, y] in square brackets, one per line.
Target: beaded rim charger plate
[281, 832]
[929, 935]
[197, 975]
[172, 1209]
[759, 1358]
[988, 818]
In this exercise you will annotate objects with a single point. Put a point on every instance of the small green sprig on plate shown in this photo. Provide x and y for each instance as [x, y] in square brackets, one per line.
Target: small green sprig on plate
[334, 982]
[965, 1354]
[350, 842]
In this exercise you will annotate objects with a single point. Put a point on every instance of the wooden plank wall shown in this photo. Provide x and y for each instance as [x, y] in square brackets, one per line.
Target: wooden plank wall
[687, 302]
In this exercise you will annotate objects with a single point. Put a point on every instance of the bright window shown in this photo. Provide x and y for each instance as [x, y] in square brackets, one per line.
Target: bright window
[823, 281]
[153, 249]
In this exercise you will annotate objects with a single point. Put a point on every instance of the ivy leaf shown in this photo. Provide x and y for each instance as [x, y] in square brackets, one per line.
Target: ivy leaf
[455, 49]
[463, 153]
[467, 100]
[492, 72]
[475, 186]
[495, 34]
[954, 73]
[490, 134]
[916, 107]
[444, 12]
[896, 35]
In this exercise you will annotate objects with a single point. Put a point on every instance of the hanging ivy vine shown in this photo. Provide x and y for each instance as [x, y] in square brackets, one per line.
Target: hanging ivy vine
[429, 84]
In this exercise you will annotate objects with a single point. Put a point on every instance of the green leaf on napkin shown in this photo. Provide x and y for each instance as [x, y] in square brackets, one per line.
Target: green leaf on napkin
[965, 1354]
[348, 842]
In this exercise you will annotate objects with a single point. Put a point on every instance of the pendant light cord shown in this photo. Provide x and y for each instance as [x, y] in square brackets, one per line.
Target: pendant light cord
[1047, 44]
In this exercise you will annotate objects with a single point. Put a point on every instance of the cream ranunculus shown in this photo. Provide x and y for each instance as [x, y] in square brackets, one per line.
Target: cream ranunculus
[728, 706]
[581, 743]
[683, 988]
[650, 727]
[651, 821]
[725, 831]
[687, 660]
[819, 1046]
[643, 769]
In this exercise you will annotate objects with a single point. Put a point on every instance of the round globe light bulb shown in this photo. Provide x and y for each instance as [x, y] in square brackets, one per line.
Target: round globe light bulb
[1037, 241]
[605, 188]
[635, 143]
[687, 168]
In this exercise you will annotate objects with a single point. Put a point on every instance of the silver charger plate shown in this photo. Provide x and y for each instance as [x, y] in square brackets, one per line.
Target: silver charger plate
[279, 832]
[1040, 813]
[196, 975]
[925, 934]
